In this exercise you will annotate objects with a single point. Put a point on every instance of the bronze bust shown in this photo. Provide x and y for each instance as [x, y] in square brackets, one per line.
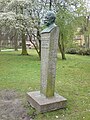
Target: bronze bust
[49, 21]
[49, 18]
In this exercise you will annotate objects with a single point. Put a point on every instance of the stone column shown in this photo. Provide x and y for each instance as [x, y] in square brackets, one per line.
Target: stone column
[49, 44]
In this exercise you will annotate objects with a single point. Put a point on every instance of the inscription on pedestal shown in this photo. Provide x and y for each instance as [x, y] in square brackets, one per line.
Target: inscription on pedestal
[45, 44]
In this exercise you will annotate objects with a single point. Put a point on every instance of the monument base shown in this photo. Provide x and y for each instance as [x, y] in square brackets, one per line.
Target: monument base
[43, 104]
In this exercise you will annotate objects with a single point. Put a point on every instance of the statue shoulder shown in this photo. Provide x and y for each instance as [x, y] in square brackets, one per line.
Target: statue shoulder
[49, 29]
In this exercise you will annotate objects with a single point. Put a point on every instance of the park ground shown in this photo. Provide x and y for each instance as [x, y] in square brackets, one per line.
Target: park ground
[20, 74]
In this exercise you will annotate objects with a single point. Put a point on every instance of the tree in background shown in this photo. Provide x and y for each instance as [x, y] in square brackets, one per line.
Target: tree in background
[67, 14]
[25, 16]
[21, 19]
[86, 31]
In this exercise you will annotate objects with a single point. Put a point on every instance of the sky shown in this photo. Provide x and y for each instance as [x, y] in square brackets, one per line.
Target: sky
[88, 4]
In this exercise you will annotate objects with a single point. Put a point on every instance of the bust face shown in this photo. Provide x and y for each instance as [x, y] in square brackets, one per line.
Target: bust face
[49, 18]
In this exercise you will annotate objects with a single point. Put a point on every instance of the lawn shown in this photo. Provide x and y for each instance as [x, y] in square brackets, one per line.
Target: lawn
[22, 73]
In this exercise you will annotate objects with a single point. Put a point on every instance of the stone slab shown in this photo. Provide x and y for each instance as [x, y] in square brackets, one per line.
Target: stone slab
[43, 104]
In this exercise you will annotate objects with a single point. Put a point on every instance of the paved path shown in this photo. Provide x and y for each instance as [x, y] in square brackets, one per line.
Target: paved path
[12, 106]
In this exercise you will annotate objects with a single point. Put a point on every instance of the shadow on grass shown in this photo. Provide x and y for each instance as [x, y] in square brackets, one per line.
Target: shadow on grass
[31, 57]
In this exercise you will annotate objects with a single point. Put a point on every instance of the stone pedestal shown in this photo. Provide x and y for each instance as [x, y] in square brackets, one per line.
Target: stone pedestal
[46, 99]
[49, 44]
[43, 104]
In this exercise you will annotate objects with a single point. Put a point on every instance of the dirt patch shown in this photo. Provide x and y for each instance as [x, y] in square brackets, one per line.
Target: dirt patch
[13, 106]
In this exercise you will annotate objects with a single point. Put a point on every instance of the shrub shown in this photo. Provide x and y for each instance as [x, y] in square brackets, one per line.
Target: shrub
[71, 51]
[88, 51]
[84, 52]
[81, 51]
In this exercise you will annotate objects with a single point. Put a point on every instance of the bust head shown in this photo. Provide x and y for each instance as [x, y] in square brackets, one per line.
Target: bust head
[49, 18]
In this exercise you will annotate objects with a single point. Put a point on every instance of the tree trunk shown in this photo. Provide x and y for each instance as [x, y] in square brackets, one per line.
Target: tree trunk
[0, 40]
[61, 46]
[86, 41]
[39, 39]
[50, 4]
[24, 50]
[30, 39]
[89, 41]
[16, 45]
[0, 44]
[87, 37]
[16, 42]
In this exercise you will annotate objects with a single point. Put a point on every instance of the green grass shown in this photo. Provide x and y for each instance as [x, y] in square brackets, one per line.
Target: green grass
[22, 73]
